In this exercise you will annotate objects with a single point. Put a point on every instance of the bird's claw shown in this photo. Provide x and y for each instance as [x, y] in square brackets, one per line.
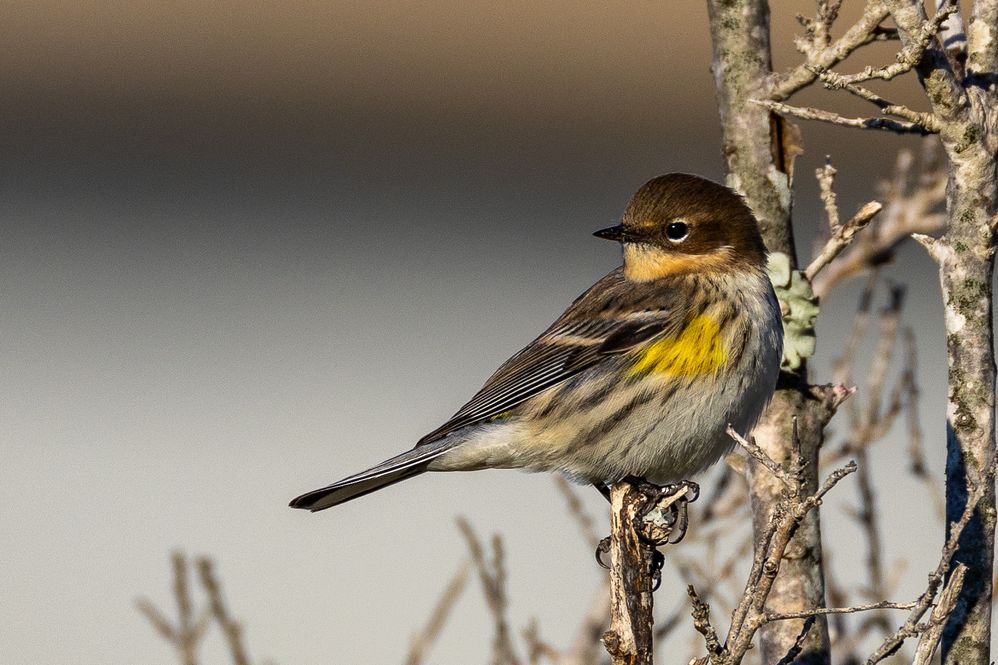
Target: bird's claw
[602, 548]
[657, 562]
[672, 502]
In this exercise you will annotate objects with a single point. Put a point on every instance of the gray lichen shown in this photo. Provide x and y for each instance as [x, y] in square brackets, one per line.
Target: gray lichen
[799, 309]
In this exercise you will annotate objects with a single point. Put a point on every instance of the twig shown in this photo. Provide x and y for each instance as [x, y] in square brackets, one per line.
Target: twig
[586, 648]
[230, 628]
[911, 626]
[759, 455]
[536, 647]
[156, 618]
[916, 452]
[929, 640]
[750, 613]
[493, 577]
[422, 642]
[884, 605]
[702, 624]
[842, 236]
[587, 525]
[911, 53]
[809, 113]
[835, 81]
[186, 636]
[911, 201]
[866, 30]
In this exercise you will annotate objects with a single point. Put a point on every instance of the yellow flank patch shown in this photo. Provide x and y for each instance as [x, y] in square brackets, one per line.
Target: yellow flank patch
[695, 351]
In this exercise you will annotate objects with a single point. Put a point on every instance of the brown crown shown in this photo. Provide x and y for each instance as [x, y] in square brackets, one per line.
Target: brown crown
[717, 217]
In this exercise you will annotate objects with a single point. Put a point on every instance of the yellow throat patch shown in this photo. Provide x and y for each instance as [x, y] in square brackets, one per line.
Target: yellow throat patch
[695, 351]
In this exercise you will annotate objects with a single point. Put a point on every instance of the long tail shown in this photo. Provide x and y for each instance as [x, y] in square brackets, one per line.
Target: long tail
[408, 464]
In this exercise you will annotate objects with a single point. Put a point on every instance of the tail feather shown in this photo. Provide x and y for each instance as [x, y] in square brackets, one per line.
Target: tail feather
[408, 464]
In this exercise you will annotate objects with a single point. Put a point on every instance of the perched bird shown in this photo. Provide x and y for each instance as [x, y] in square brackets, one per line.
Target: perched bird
[642, 373]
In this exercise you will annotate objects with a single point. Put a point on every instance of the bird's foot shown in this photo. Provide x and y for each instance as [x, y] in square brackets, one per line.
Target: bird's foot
[662, 519]
[603, 548]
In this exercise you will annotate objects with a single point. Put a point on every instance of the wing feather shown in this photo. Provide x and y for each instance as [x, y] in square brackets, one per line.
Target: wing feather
[563, 351]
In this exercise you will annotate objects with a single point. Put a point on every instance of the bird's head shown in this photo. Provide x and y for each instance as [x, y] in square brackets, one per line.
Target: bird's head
[680, 223]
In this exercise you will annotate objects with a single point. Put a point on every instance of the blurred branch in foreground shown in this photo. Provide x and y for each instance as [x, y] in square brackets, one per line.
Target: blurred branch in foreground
[187, 635]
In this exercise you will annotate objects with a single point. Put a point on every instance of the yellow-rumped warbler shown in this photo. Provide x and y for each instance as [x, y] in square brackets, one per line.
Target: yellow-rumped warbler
[643, 372]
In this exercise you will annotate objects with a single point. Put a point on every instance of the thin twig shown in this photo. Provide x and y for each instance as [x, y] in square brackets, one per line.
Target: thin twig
[884, 605]
[842, 236]
[866, 30]
[759, 455]
[493, 578]
[422, 642]
[929, 640]
[809, 113]
[912, 626]
[230, 628]
[587, 525]
[835, 81]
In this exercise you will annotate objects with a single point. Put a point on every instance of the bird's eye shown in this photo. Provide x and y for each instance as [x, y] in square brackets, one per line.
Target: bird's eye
[677, 231]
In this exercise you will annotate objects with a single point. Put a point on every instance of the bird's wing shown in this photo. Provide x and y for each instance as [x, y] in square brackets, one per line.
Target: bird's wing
[566, 349]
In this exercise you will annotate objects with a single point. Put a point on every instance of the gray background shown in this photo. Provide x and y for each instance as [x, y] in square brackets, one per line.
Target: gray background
[250, 248]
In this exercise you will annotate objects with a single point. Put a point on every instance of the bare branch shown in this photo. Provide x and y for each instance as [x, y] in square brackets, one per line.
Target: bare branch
[982, 44]
[493, 577]
[916, 451]
[586, 648]
[834, 81]
[808, 113]
[749, 616]
[538, 648]
[929, 640]
[864, 31]
[159, 622]
[911, 626]
[760, 456]
[921, 49]
[826, 182]
[912, 198]
[630, 639]
[230, 628]
[884, 605]
[186, 636]
[954, 40]
[702, 624]
[842, 237]
[575, 508]
[422, 642]
[920, 38]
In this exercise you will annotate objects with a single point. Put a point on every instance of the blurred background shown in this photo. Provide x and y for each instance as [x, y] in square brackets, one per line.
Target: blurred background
[249, 247]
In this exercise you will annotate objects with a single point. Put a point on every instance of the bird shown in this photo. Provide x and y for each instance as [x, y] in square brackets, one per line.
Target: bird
[641, 375]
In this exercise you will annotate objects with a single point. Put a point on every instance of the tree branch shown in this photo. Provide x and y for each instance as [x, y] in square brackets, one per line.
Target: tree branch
[809, 113]
[864, 31]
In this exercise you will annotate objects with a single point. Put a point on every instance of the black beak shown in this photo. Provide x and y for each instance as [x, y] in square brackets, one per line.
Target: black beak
[617, 233]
